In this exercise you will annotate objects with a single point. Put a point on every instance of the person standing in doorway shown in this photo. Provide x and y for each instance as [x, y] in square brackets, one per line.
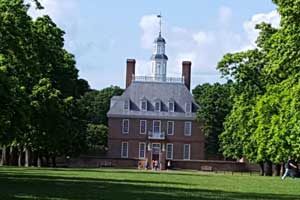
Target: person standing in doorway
[289, 169]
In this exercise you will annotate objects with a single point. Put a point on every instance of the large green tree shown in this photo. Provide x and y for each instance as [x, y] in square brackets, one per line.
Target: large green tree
[39, 84]
[264, 121]
[96, 104]
[215, 103]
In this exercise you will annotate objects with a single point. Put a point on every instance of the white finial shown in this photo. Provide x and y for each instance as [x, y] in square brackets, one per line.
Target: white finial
[159, 16]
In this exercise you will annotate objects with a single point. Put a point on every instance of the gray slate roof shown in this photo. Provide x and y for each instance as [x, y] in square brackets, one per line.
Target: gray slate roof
[152, 91]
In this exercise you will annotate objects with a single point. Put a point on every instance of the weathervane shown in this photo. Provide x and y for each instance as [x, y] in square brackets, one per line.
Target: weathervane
[159, 16]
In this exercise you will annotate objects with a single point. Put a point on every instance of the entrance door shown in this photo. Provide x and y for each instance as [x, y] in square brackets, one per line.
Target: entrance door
[155, 152]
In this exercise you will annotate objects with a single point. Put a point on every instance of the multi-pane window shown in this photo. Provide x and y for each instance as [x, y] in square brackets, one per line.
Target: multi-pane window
[171, 106]
[169, 151]
[143, 126]
[125, 126]
[142, 149]
[156, 126]
[157, 106]
[170, 128]
[144, 105]
[126, 104]
[188, 128]
[124, 150]
[188, 108]
[186, 151]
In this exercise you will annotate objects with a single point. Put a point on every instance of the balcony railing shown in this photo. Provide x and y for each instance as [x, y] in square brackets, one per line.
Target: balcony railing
[158, 79]
[156, 135]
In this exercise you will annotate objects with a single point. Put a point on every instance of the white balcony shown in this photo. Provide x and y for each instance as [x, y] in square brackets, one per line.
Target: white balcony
[157, 79]
[156, 135]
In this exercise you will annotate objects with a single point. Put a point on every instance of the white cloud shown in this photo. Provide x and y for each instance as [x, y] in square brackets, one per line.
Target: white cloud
[203, 38]
[249, 26]
[203, 47]
[150, 26]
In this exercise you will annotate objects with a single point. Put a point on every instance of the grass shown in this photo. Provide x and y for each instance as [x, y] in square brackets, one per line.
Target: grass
[67, 184]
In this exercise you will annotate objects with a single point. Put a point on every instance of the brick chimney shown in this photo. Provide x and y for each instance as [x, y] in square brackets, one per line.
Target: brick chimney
[186, 73]
[130, 71]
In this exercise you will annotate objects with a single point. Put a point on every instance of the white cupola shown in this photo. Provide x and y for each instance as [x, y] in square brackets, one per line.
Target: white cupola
[159, 58]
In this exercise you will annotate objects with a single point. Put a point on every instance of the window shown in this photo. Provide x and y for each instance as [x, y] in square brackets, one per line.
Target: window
[171, 106]
[188, 108]
[169, 152]
[156, 126]
[188, 128]
[170, 128]
[125, 126]
[144, 105]
[126, 105]
[186, 151]
[143, 126]
[157, 106]
[124, 151]
[142, 149]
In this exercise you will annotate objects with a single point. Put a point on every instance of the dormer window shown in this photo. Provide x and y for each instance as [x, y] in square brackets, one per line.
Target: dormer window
[171, 106]
[144, 105]
[126, 104]
[157, 106]
[188, 107]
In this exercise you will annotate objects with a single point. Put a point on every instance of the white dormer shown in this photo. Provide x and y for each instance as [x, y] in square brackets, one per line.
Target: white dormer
[143, 104]
[188, 107]
[126, 105]
[171, 105]
[157, 105]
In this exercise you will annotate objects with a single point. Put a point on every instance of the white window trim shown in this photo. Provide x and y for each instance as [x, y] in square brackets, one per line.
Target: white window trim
[185, 124]
[173, 110]
[159, 109]
[186, 106]
[159, 125]
[123, 126]
[122, 150]
[169, 158]
[189, 152]
[141, 127]
[140, 149]
[142, 106]
[172, 127]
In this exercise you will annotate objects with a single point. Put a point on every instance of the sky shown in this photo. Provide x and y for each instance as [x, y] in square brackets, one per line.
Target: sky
[103, 34]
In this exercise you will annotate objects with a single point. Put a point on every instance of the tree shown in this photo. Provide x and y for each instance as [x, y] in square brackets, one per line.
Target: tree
[39, 85]
[215, 103]
[263, 124]
[97, 103]
[97, 136]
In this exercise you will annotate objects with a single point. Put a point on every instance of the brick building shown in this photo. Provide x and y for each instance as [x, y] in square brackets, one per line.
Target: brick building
[154, 119]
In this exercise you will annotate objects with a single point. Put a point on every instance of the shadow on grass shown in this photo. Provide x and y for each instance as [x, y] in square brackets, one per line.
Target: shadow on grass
[25, 186]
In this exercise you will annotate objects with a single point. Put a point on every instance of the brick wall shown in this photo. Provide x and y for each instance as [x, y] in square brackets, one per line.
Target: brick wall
[115, 138]
[178, 164]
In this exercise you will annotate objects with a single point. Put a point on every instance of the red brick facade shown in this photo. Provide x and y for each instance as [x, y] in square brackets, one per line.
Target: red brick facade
[134, 138]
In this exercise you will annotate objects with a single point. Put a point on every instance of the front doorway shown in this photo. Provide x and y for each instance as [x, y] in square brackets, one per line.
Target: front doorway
[156, 147]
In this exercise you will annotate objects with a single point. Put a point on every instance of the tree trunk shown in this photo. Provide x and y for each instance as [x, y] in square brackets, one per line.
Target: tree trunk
[26, 157]
[11, 155]
[47, 160]
[3, 158]
[53, 161]
[277, 169]
[269, 170]
[20, 158]
[38, 161]
[262, 168]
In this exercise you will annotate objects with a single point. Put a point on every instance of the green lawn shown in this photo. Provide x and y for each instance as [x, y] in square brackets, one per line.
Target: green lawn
[65, 184]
